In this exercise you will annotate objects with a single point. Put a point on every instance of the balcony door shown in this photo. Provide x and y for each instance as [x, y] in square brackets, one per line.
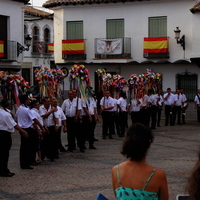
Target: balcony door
[114, 28]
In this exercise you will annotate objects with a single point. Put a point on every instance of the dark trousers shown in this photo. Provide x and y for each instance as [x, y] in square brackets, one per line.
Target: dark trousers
[91, 131]
[145, 116]
[153, 112]
[49, 144]
[198, 115]
[85, 125]
[135, 117]
[159, 115]
[74, 133]
[122, 123]
[177, 112]
[28, 148]
[168, 115]
[5, 145]
[108, 123]
[116, 123]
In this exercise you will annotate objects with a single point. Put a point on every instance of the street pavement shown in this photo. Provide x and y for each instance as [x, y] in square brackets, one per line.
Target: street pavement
[83, 175]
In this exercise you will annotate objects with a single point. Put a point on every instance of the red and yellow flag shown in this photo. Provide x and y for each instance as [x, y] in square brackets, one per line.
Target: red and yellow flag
[1, 48]
[156, 45]
[50, 48]
[73, 46]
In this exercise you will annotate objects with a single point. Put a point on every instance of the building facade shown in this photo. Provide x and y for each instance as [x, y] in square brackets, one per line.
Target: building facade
[11, 34]
[132, 24]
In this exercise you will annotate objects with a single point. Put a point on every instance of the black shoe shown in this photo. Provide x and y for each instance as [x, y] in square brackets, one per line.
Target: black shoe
[66, 145]
[7, 175]
[179, 123]
[82, 150]
[92, 147]
[166, 124]
[84, 147]
[158, 125]
[69, 150]
[184, 122]
[27, 167]
[12, 173]
[110, 137]
[104, 137]
[121, 135]
[96, 139]
[153, 128]
[63, 150]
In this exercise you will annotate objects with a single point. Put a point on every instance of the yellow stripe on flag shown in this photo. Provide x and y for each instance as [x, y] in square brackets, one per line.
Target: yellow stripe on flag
[50, 47]
[73, 46]
[1, 48]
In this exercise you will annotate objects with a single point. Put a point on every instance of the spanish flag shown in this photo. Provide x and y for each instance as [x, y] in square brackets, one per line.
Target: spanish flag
[1, 48]
[50, 48]
[156, 45]
[73, 46]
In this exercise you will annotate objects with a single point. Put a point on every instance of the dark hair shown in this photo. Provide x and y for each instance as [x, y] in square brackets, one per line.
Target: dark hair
[194, 181]
[137, 142]
[23, 98]
[33, 103]
[5, 103]
[44, 99]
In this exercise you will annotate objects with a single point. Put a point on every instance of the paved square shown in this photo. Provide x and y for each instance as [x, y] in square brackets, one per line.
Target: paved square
[83, 175]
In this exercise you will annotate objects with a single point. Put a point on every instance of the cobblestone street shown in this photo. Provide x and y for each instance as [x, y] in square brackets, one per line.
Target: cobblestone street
[83, 175]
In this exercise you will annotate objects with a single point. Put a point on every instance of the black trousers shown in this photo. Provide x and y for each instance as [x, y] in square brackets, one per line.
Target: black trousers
[122, 122]
[28, 147]
[145, 116]
[74, 133]
[136, 117]
[159, 114]
[168, 115]
[153, 112]
[5, 145]
[177, 112]
[85, 125]
[108, 123]
[116, 123]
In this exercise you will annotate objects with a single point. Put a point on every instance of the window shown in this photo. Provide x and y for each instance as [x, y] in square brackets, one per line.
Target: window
[114, 28]
[74, 30]
[36, 39]
[157, 28]
[46, 39]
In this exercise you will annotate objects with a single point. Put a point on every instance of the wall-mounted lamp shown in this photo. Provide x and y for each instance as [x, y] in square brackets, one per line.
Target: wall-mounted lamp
[178, 39]
[21, 48]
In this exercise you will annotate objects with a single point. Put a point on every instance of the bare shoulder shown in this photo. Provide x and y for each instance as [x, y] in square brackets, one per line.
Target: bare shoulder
[160, 174]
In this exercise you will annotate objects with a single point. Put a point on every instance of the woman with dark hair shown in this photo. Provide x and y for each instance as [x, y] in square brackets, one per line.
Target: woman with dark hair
[135, 178]
[194, 181]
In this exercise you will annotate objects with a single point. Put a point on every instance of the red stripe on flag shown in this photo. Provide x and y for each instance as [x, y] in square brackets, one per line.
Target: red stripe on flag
[73, 52]
[1, 54]
[156, 39]
[156, 50]
[1, 42]
[72, 41]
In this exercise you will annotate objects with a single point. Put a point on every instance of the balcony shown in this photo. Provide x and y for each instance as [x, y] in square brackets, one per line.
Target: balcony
[40, 48]
[8, 51]
[119, 48]
[156, 48]
[73, 49]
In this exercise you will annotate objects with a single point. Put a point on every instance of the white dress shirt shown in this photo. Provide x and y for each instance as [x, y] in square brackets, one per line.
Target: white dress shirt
[135, 105]
[24, 117]
[7, 122]
[36, 114]
[170, 100]
[107, 102]
[196, 99]
[179, 100]
[122, 103]
[70, 107]
[48, 121]
[60, 115]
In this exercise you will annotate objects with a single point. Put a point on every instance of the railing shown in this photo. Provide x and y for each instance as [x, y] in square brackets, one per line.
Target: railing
[112, 48]
[40, 48]
[10, 51]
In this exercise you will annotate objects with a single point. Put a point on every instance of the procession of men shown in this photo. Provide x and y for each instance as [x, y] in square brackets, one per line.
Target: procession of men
[40, 126]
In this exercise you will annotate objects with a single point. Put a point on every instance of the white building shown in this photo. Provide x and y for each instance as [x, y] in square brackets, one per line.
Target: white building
[132, 21]
[39, 25]
[11, 34]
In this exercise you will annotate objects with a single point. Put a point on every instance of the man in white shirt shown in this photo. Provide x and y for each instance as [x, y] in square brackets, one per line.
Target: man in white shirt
[159, 103]
[197, 104]
[177, 107]
[153, 108]
[107, 105]
[72, 109]
[184, 107]
[48, 146]
[169, 101]
[7, 126]
[122, 105]
[26, 121]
